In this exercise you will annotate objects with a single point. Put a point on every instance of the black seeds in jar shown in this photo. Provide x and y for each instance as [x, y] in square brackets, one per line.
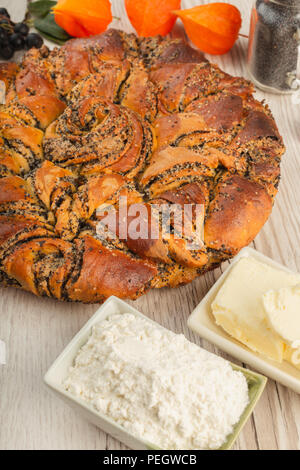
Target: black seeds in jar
[274, 44]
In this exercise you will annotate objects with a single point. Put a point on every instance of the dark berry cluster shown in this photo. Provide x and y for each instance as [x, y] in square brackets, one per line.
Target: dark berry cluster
[15, 36]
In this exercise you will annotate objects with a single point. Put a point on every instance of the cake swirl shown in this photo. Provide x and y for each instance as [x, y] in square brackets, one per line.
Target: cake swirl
[145, 121]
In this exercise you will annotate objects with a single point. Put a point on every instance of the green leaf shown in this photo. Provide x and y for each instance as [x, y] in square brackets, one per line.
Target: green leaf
[41, 7]
[47, 25]
[51, 38]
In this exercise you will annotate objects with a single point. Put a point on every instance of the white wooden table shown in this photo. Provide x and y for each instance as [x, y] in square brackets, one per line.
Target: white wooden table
[36, 330]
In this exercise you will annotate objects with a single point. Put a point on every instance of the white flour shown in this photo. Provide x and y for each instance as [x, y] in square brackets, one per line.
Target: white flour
[158, 385]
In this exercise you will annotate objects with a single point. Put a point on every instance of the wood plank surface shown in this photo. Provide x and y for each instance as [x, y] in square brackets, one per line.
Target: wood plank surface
[36, 330]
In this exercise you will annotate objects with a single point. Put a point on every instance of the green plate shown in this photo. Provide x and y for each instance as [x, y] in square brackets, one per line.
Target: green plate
[256, 385]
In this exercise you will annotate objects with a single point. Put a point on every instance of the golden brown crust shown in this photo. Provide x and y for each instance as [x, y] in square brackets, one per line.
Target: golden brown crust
[116, 273]
[81, 57]
[180, 86]
[31, 82]
[20, 140]
[146, 119]
[221, 111]
[101, 135]
[10, 226]
[8, 72]
[170, 167]
[157, 51]
[236, 214]
[26, 264]
[36, 111]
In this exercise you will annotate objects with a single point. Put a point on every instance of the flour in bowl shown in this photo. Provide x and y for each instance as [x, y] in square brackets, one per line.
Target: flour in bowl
[158, 385]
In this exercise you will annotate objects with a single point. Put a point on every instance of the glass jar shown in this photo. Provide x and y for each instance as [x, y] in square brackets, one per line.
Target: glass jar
[274, 45]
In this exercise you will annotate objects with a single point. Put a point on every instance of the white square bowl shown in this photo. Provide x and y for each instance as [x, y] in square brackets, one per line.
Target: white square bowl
[202, 322]
[59, 370]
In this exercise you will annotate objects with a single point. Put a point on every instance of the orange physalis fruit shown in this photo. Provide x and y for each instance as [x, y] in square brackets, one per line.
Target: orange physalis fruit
[152, 17]
[83, 18]
[213, 28]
